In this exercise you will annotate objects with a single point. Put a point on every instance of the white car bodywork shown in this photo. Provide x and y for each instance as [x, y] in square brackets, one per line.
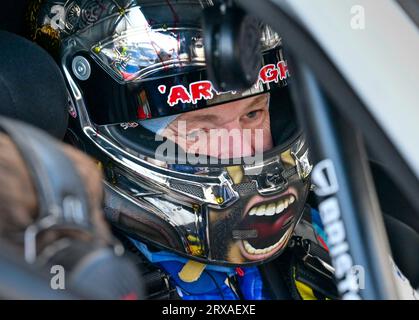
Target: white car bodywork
[380, 62]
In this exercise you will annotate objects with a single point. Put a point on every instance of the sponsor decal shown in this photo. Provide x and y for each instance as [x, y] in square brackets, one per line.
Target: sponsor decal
[204, 89]
[325, 180]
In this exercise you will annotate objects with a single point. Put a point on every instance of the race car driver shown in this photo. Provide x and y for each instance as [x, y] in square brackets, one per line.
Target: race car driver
[209, 188]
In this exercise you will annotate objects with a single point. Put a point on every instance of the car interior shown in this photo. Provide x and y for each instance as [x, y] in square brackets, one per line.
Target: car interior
[400, 216]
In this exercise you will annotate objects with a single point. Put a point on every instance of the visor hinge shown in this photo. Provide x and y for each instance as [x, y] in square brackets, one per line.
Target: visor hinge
[269, 177]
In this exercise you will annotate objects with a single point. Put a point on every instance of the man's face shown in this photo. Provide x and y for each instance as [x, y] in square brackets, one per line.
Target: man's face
[244, 123]
[269, 217]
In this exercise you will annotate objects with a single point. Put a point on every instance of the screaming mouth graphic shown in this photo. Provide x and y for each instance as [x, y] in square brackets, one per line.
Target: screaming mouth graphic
[266, 225]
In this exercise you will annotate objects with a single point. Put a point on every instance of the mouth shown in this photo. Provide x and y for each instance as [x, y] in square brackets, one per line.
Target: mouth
[264, 228]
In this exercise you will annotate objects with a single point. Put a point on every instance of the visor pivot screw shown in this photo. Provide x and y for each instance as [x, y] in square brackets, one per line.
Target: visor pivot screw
[219, 200]
[122, 12]
[81, 68]
[273, 179]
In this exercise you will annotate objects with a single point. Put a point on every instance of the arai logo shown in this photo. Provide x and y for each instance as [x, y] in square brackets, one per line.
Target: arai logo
[325, 180]
[204, 89]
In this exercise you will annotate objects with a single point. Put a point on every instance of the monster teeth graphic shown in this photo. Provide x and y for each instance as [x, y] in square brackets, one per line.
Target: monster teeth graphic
[266, 227]
[250, 249]
[272, 208]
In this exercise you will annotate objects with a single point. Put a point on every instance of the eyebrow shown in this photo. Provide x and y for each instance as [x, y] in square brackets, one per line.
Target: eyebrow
[212, 117]
[256, 101]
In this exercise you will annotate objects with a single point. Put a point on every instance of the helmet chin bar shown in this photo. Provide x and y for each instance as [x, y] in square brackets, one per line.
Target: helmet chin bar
[167, 193]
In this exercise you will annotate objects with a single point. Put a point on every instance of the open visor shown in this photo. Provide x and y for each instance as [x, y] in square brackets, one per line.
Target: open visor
[142, 53]
[170, 91]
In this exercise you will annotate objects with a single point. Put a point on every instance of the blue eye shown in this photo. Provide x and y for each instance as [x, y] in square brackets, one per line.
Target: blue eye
[252, 114]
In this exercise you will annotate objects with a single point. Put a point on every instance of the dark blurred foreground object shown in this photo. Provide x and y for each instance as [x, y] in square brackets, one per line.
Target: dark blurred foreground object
[50, 212]
[20, 281]
[32, 88]
[51, 194]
